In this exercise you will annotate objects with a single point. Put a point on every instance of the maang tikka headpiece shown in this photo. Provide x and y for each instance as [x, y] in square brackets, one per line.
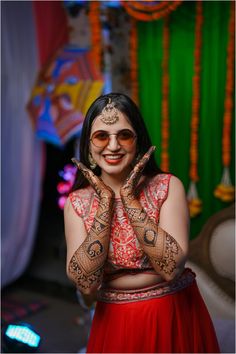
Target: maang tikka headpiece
[109, 113]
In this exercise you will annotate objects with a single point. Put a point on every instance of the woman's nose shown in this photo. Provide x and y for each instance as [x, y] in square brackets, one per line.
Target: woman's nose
[113, 142]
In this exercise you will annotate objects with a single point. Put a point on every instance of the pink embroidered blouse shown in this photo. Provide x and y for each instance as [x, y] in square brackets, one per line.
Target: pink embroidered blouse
[125, 253]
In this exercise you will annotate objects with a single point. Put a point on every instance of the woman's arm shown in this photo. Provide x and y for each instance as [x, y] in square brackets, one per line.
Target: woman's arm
[165, 244]
[87, 252]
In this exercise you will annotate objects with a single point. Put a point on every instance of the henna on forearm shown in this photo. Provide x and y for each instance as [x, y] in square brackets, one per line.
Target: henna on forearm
[162, 249]
[86, 265]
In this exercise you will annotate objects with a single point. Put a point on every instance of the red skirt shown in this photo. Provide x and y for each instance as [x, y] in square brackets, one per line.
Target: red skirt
[173, 323]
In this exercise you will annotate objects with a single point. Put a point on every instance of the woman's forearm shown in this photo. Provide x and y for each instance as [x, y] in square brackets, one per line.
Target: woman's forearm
[86, 265]
[162, 249]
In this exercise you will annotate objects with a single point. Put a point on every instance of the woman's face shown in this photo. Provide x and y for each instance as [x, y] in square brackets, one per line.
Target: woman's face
[116, 157]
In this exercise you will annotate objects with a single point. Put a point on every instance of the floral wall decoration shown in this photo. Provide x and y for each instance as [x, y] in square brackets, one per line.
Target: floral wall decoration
[193, 100]
[225, 191]
[150, 10]
[145, 11]
[195, 203]
[96, 32]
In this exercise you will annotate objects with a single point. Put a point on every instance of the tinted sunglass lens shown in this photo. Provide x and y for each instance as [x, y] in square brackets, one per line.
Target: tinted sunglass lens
[100, 139]
[125, 137]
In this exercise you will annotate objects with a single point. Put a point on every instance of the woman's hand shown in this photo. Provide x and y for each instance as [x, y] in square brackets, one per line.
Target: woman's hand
[88, 249]
[102, 190]
[127, 191]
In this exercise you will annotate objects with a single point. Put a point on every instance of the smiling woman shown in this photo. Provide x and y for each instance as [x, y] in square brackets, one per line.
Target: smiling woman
[134, 120]
[126, 226]
[113, 146]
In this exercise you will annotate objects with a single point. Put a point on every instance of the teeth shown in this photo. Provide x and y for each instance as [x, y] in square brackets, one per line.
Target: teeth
[113, 157]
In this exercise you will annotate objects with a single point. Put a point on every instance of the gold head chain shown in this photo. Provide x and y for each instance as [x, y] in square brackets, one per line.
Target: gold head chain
[109, 113]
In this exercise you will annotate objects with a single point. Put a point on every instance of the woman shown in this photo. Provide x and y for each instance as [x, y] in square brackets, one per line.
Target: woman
[126, 225]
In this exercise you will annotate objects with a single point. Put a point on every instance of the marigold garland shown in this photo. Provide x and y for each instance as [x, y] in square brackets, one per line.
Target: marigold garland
[96, 36]
[150, 10]
[133, 60]
[225, 191]
[165, 98]
[195, 204]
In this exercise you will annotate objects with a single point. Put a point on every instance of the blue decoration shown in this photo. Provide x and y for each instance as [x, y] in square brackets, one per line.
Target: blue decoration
[20, 338]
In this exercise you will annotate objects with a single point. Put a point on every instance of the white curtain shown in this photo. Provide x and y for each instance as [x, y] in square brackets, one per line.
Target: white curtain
[20, 150]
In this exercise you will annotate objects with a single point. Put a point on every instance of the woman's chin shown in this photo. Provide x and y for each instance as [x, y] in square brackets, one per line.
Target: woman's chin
[116, 170]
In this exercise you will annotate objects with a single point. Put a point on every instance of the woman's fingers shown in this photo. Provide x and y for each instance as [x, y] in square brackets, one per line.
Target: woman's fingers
[143, 161]
[128, 188]
[79, 164]
[88, 174]
[138, 168]
[94, 180]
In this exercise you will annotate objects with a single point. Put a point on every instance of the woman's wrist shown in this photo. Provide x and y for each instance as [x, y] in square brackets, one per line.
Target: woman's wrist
[107, 201]
[128, 199]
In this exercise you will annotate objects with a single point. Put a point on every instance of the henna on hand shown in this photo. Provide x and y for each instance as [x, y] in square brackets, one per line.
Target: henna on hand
[127, 191]
[162, 249]
[102, 190]
[86, 264]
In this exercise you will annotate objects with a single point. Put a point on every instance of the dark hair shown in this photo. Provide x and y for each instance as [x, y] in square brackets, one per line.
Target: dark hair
[125, 105]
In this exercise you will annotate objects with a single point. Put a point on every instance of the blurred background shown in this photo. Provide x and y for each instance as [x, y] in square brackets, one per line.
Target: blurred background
[176, 60]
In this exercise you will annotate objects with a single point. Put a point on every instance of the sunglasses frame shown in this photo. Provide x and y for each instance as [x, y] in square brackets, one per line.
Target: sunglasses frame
[134, 137]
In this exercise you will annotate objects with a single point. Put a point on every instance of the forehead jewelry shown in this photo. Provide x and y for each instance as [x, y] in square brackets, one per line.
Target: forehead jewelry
[109, 113]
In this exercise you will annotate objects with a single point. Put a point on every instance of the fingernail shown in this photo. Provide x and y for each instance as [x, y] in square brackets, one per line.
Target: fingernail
[74, 160]
[152, 148]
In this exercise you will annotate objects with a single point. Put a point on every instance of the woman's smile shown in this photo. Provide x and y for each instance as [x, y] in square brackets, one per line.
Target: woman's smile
[113, 159]
[116, 157]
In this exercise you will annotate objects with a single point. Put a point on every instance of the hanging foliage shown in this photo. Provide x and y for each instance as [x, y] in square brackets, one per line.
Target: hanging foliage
[195, 204]
[225, 191]
[165, 98]
[96, 32]
[149, 10]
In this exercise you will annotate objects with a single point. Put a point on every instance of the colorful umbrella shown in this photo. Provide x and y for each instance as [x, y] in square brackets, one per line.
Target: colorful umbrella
[62, 94]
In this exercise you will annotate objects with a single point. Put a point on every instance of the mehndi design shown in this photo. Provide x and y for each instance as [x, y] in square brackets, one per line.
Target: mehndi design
[162, 249]
[86, 265]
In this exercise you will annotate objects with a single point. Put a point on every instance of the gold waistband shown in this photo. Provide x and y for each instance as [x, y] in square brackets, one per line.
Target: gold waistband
[111, 295]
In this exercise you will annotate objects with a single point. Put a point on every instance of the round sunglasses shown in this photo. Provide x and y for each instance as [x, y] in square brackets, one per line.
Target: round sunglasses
[101, 138]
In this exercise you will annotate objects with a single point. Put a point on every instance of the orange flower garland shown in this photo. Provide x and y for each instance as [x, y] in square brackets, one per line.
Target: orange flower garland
[133, 60]
[165, 98]
[195, 204]
[96, 37]
[150, 10]
[225, 191]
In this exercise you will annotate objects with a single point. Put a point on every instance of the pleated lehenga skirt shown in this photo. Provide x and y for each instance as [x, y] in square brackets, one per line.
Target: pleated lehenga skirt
[176, 322]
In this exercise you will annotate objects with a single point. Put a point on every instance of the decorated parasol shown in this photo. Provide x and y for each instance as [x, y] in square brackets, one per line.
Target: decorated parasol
[63, 92]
